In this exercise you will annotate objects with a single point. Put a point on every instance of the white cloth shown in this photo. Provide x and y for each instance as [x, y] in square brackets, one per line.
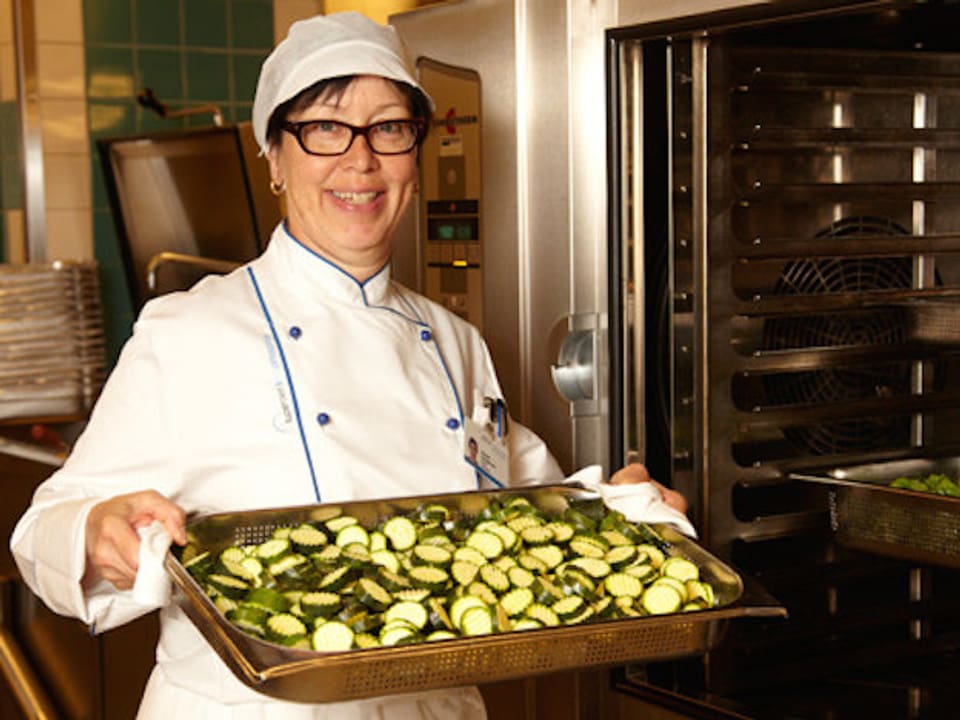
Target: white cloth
[324, 47]
[639, 502]
[338, 392]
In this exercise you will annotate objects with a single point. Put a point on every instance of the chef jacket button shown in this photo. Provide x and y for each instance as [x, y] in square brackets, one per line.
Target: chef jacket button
[323, 419]
[453, 423]
[295, 332]
[425, 335]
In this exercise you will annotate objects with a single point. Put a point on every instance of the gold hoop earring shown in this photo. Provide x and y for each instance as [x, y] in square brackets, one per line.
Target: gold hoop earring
[277, 187]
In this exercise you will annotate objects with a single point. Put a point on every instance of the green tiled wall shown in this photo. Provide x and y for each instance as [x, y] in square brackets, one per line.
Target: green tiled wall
[190, 53]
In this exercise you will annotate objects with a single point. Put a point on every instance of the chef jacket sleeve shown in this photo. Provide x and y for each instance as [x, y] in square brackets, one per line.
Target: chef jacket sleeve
[125, 447]
[531, 463]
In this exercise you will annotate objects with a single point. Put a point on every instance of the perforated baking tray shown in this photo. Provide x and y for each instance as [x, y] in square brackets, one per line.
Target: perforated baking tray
[309, 676]
[867, 514]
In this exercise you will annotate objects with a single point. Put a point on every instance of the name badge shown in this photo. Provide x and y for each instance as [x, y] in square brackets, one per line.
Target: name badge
[485, 440]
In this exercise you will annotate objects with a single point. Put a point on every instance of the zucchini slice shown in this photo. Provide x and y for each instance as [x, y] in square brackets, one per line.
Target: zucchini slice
[228, 585]
[623, 585]
[273, 549]
[352, 534]
[660, 599]
[517, 601]
[307, 539]
[286, 629]
[332, 636]
[477, 621]
[432, 578]
[400, 532]
[414, 613]
[680, 569]
[461, 605]
[464, 572]
[486, 543]
[320, 604]
[372, 594]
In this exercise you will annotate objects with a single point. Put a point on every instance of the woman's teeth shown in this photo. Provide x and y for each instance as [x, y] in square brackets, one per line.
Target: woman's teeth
[356, 198]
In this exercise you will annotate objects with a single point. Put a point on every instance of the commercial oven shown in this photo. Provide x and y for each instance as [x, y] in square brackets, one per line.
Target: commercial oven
[784, 223]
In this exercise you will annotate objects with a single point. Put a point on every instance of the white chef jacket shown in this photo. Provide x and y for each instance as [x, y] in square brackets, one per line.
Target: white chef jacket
[284, 383]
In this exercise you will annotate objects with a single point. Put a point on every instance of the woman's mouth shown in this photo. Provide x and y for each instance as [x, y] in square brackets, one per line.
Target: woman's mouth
[355, 198]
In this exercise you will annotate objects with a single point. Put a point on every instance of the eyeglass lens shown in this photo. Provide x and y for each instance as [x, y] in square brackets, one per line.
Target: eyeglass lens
[328, 137]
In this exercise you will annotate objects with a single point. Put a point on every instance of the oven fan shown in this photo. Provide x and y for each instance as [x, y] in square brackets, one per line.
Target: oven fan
[816, 276]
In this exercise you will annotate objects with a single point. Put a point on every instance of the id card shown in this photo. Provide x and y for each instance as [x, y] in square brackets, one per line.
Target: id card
[486, 451]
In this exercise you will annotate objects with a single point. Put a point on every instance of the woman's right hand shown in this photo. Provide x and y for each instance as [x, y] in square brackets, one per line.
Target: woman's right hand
[112, 542]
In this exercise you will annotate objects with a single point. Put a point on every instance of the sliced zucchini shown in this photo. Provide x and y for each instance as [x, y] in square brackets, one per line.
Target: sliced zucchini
[307, 539]
[365, 640]
[520, 577]
[569, 607]
[550, 554]
[431, 555]
[273, 549]
[269, 599]
[385, 558]
[543, 614]
[378, 541]
[482, 591]
[434, 579]
[461, 605]
[332, 636]
[495, 578]
[320, 604]
[286, 629]
[486, 543]
[400, 532]
[228, 585]
[679, 568]
[660, 599]
[413, 594]
[470, 555]
[398, 633]
[594, 567]
[588, 545]
[562, 532]
[248, 618]
[517, 601]
[620, 556]
[335, 525]
[477, 621]
[464, 572]
[351, 534]
[623, 585]
[372, 594]
[414, 613]
[655, 556]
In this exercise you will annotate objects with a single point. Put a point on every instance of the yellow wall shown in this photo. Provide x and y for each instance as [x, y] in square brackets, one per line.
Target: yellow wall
[379, 10]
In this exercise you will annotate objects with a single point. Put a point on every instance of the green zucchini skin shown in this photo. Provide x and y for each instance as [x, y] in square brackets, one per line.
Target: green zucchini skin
[436, 574]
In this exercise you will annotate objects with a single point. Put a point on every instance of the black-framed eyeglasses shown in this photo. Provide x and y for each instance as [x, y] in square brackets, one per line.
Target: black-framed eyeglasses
[331, 137]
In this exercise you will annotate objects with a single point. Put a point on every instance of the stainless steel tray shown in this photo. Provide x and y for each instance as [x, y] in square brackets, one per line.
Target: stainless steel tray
[309, 676]
[867, 514]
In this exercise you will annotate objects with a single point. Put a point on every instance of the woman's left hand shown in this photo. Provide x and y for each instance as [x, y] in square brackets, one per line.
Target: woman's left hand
[638, 473]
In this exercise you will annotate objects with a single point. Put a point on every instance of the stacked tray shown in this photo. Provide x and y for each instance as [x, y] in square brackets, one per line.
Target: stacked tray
[310, 676]
[52, 352]
[867, 514]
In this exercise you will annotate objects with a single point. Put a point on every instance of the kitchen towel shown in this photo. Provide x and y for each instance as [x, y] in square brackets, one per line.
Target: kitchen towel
[152, 585]
[639, 502]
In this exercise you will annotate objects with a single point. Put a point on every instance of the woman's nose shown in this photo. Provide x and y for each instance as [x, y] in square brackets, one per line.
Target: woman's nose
[359, 153]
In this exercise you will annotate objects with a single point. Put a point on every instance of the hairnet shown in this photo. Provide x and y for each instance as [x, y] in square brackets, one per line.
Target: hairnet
[324, 47]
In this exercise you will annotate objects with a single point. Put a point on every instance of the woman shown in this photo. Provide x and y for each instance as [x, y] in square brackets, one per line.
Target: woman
[306, 376]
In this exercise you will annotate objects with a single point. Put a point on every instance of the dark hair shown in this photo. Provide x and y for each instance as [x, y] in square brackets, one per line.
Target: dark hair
[336, 86]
